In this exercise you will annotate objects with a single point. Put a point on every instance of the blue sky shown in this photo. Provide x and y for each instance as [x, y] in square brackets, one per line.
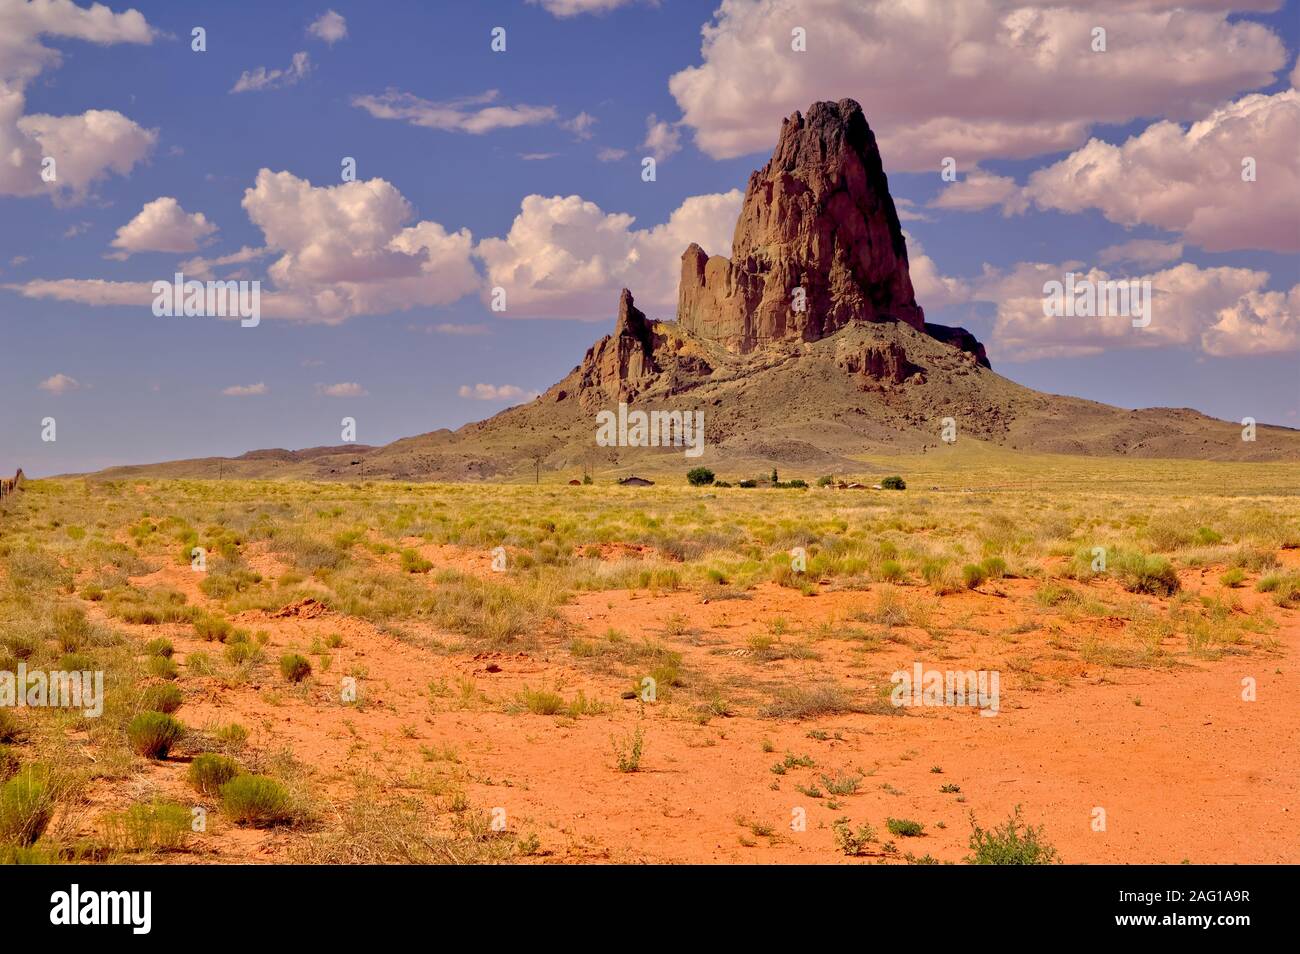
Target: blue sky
[125, 386]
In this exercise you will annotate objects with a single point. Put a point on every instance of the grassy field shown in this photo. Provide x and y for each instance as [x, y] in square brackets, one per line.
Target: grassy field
[411, 672]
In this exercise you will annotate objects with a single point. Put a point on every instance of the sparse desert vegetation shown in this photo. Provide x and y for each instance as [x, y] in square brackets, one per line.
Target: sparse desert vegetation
[350, 677]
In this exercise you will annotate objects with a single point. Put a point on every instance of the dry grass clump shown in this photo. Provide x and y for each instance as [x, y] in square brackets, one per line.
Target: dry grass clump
[824, 699]
[146, 828]
[26, 806]
[403, 830]
[548, 703]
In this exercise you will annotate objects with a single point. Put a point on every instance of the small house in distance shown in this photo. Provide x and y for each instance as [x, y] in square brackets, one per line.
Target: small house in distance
[635, 481]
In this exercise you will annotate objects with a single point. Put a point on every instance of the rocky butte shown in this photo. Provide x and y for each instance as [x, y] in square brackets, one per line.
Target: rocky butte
[817, 247]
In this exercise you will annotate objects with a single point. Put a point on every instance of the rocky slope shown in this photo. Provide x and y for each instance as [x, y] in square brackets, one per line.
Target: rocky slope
[806, 349]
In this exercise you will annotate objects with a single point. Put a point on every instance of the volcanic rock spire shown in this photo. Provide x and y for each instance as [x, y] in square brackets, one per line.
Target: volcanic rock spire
[817, 217]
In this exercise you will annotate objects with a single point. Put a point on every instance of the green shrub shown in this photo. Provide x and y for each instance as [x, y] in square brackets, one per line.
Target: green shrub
[165, 698]
[209, 771]
[212, 628]
[76, 662]
[164, 667]
[905, 827]
[1285, 588]
[20, 645]
[973, 575]
[849, 841]
[156, 826]
[294, 668]
[995, 568]
[71, 628]
[1234, 577]
[825, 480]
[412, 562]
[232, 734]
[542, 701]
[1055, 594]
[153, 734]
[242, 652]
[891, 571]
[256, 800]
[159, 647]
[700, 476]
[1139, 573]
[1009, 844]
[842, 783]
[893, 482]
[627, 753]
[200, 664]
[26, 806]
[224, 583]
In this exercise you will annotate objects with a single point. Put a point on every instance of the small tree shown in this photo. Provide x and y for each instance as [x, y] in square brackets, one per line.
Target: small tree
[893, 483]
[775, 479]
[699, 476]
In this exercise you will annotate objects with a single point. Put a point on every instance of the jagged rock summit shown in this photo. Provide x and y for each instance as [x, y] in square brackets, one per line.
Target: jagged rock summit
[818, 223]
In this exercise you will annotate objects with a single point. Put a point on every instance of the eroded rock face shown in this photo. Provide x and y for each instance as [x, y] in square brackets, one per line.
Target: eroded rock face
[818, 217]
[961, 339]
[883, 363]
[618, 364]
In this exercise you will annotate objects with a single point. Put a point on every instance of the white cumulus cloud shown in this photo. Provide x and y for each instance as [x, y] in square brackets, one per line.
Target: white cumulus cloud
[968, 79]
[60, 384]
[162, 226]
[564, 256]
[495, 392]
[1220, 311]
[330, 27]
[662, 139]
[1190, 181]
[348, 249]
[85, 147]
[1196, 182]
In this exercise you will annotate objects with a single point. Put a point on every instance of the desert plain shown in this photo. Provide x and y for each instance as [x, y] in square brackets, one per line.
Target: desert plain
[547, 673]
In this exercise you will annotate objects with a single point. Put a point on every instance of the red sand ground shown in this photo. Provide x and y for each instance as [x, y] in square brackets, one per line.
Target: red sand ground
[1192, 772]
